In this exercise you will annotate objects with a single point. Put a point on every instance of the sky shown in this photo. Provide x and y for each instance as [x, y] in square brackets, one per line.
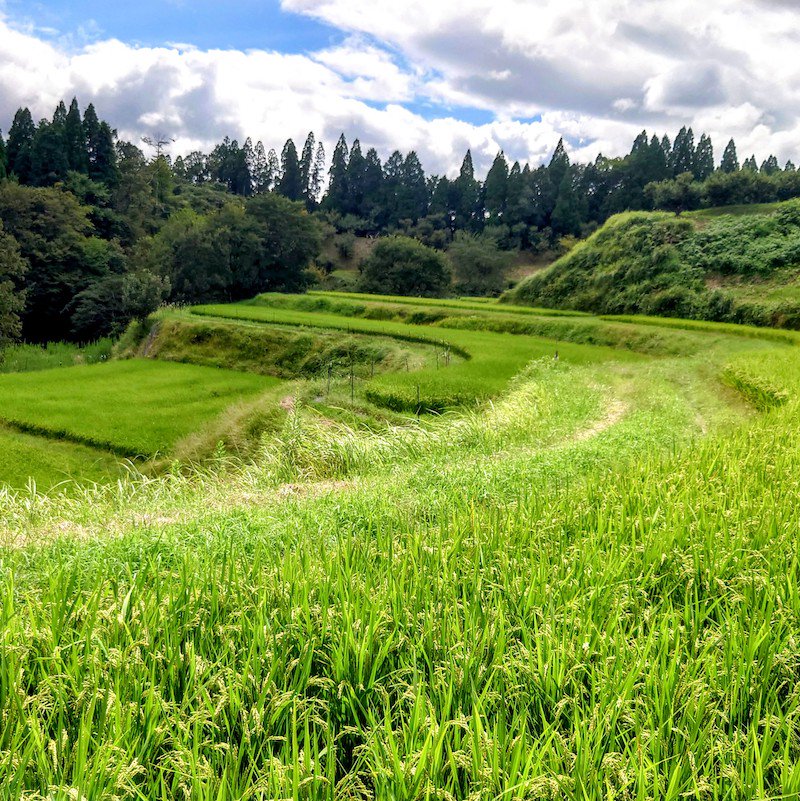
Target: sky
[436, 76]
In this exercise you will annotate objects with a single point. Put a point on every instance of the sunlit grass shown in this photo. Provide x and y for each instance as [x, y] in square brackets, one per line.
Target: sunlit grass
[132, 408]
[586, 588]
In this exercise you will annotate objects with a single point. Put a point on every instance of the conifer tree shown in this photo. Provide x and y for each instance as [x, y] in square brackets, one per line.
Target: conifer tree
[306, 168]
[316, 179]
[640, 143]
[20, 145]
[413, 197]
[336, 198]
[703, 159]
[290, 184]
[730, 161]
[666, 147]
[273, 170]
[99, 138]
[262, 180]
[91, 131]
[48, 154]
[770, 165]
[373, 185]
[682, 158]
[392, 185]
[750, 165]
[496, 186]
[3, 158]
[559, 164]
[657, 160]
[466, 192]
[566, 217]
[74, 140]
[356, 166]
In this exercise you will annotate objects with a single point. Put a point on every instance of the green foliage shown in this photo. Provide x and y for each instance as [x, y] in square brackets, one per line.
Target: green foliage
[236, 250]
[55, 240]
[682, 194]
[12, 298]
[400, 265]
[111, 303]
[288, 237]
[654, 264]
[478, 264]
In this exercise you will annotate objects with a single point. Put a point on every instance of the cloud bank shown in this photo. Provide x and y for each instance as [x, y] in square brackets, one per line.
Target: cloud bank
[439, 77]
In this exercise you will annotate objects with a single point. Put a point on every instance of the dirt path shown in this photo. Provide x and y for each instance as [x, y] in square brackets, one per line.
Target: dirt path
[616, 410]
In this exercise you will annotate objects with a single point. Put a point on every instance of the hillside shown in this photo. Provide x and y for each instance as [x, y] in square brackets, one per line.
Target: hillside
[738, 265]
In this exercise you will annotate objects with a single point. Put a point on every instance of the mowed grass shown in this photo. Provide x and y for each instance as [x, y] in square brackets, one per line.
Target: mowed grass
[132, 408]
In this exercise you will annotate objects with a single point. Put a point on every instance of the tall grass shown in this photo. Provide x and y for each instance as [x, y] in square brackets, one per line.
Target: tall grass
[25, 358]
[629, 633]
[586, 589]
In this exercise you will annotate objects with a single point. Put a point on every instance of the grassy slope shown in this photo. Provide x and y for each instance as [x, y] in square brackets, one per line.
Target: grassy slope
[283, 352]
[586, 590]
[48, 463]
[739, 266]
[131, 408]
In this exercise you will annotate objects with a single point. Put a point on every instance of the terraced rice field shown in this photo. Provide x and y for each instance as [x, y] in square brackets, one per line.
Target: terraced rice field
[581, 583]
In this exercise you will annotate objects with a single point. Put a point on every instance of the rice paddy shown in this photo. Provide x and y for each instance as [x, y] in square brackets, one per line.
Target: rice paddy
[580, 581]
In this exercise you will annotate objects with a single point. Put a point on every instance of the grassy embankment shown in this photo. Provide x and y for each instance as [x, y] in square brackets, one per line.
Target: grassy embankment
[489, 359]
[736, 265]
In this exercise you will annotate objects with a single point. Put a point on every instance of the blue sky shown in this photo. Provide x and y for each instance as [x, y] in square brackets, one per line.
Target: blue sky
[207, 24]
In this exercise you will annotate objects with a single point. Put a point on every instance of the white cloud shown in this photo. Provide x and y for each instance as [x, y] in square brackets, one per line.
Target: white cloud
[594, 72]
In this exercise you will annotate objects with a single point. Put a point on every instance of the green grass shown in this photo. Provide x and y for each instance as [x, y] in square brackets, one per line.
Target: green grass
[732, 329]
[479, 304]
[498, 606]
[744, 210]
[132, 408]
[26, 457]
[282, 352]
[585, 589]
[28, 358]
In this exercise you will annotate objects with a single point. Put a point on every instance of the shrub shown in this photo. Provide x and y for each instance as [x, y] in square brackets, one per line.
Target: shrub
[400, 265]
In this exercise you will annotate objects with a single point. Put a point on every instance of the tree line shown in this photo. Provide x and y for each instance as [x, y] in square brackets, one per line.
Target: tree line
[95, 233]
[520, 205]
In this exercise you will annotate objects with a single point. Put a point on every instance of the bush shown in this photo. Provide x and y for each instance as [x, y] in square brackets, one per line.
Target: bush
[400, 265]
[478, 264]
